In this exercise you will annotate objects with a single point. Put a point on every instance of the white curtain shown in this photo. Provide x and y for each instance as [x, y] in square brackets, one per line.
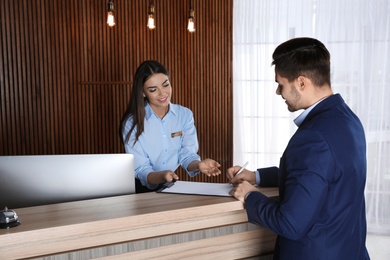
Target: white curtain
[357, 34]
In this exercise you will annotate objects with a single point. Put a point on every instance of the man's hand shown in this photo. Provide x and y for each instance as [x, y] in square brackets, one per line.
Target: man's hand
[240, 190]
[245, 175]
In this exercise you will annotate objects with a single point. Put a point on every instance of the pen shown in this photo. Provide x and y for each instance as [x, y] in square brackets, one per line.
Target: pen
[242, 168]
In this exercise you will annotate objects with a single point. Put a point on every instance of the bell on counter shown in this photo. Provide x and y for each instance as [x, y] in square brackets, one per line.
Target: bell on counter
[8, 218]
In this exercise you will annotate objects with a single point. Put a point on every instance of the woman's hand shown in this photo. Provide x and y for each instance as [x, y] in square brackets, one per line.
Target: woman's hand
[162, 177]
[209, 167]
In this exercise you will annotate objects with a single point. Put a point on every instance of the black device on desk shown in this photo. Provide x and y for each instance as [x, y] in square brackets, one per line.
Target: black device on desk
[8, 218]
[34, 180]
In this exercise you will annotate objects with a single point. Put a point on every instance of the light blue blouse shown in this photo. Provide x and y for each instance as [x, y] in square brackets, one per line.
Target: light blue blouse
[165, 143]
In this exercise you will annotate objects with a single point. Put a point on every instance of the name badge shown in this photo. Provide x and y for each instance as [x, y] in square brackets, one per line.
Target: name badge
[176, 134]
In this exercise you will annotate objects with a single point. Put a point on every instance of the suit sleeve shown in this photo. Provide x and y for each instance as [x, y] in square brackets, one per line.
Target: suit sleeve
[306, 165]
[268, 177]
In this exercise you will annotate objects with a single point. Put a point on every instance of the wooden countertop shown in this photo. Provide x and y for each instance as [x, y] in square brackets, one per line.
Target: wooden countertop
[70, 226]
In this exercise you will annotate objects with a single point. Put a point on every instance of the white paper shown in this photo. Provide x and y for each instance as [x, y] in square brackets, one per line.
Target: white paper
[199, 188]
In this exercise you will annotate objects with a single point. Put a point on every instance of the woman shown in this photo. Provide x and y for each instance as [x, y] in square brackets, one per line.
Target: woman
[159, 134]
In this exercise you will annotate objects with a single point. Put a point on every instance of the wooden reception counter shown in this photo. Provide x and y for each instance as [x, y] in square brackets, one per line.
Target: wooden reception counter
[139, 226]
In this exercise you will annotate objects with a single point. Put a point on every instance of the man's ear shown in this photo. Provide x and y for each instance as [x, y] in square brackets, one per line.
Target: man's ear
[303, 82]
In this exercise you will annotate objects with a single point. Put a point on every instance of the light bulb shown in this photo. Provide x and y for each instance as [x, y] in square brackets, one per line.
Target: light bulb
[191, 25]
[110, 19]
[191, 22]
[151, 24]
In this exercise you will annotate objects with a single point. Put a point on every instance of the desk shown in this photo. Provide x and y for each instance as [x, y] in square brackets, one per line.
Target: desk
[88, 229]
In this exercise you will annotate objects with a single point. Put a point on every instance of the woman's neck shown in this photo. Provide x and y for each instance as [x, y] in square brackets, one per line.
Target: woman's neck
[161, 111]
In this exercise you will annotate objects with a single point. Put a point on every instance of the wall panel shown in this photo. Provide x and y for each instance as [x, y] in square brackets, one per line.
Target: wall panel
[66, 76]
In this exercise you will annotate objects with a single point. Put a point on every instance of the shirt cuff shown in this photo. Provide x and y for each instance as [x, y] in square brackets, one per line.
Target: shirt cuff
[144, 181]
[187, 162]
[257, 173]
[246, 195]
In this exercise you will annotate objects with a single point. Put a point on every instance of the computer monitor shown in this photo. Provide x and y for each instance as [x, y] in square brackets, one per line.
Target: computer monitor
[45, 179]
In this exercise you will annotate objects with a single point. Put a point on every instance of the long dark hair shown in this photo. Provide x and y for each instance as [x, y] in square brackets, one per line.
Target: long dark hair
[136, 106]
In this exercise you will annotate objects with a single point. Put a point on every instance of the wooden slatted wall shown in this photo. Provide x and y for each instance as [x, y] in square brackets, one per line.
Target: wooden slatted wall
[66, 76]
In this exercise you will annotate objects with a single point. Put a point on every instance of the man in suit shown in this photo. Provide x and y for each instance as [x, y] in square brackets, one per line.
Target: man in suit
[322, 173]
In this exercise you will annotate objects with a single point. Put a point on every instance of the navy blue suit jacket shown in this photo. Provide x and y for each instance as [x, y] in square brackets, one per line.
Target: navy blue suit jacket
[321, 178]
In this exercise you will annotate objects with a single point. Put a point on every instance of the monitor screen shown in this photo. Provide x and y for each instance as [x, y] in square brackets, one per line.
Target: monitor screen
[45, 179]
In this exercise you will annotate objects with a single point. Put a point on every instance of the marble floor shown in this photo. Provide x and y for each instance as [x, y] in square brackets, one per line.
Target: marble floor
[378, 247]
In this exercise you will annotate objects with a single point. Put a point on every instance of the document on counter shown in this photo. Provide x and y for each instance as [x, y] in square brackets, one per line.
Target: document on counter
[197, 188]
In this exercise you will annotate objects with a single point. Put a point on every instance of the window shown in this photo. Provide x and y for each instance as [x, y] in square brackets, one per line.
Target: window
[357, 34]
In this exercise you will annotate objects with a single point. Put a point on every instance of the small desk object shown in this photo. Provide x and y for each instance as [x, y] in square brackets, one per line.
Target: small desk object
[139, 226]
